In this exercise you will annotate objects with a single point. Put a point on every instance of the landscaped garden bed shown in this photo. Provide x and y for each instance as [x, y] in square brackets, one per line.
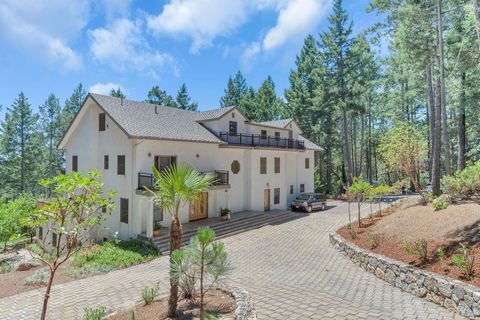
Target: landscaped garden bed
[96, 259]
[395, 234]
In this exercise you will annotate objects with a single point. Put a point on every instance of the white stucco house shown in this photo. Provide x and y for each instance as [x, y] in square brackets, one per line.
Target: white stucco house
[258, 166]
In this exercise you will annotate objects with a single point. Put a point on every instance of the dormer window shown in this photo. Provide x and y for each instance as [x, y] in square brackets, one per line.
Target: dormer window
[101, 122]
[233, 114]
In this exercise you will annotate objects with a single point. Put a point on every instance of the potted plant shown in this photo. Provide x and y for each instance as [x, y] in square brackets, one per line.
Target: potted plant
[225, 214]
[156, 228]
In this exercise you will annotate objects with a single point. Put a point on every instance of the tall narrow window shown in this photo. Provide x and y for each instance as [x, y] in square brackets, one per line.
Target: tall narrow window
[264, 134]
[232, 128]
[54, 239]
[277, 135]
[121, 165]
[74, 163]
[105, 162]
[276, 196]
[157, 213]
[40, 233]
[163, 162]
[101, 122]
[277, 165]
[263, 165]
[302, 188]
[124, 210]
[291, 189]
[307, 163]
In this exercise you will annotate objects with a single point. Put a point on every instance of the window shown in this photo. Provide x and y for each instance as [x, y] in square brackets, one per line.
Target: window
[291, 189]
[264, 134]
[40, 233]
[302, 188]
[101, 122]
[307, 163]
[263, 165]
[104, 209]
[105, 162]
[232, 127]
[157, 213]
[235, 167]
[233, 114]
[276, 196]
[277, 135]
[54, 239]
[277, 165]
[163, 162]
[124, 210]
[121, 165]
[74, 163]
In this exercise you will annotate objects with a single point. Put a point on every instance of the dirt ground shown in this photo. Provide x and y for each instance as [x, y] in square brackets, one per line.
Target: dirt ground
[13, 283]
[217, 302]
[446, 229]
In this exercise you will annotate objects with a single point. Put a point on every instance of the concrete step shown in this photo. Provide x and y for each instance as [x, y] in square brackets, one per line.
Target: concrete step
[226, 229]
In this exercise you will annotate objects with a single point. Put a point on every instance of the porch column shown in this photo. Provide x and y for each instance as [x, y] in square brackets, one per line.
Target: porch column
[149, 207]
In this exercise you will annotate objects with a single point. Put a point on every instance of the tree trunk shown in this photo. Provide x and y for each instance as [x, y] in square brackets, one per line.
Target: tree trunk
[477, 16]
[359, 202]
[436, 143]
[369, 145]
[201, 282]
[347, 157]
[47, 294]
[431, 105]
[175, 243]
[443, 102]
[461, 126]
[362, 136]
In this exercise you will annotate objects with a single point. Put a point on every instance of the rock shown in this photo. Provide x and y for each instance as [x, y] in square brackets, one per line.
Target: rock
[379, 273]
[435, 298]
[465, 310]
[450, 305]
[444, 289]
[25, 266]
[458, 291]
[468, 300]
[390, 277]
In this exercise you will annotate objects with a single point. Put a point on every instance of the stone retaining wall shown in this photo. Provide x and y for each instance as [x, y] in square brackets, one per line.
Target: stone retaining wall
[244, 306]
[454, 295]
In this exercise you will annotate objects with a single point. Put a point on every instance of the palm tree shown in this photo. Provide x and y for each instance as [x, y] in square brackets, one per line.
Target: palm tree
[176, 186]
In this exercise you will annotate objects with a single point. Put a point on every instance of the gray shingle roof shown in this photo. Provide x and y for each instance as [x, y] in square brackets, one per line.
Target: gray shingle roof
[213, 114]
[144, 120]
[281, 123]
[310, 145]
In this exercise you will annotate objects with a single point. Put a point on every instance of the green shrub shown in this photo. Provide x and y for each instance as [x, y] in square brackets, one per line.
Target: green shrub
[95, 314]
[441, 254]
[418, 248]
[440, 203]
[464, 184]
[112, 255]
[39, 277]
[5, 268]
[149, 294]
[464, 261]
[429, 196]
[373, 240]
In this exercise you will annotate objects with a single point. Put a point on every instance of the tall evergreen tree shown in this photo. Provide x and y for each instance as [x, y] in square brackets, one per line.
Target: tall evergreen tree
[247, 103]
[267, 104]
[72, 105]
[117, 93]
[21, 163]
[160, 97]
[236, 89]
[50, 119]
[183, 99]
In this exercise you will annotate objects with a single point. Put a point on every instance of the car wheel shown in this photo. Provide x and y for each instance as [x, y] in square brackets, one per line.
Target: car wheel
[309, 209]
[323, 207]
[293, 209]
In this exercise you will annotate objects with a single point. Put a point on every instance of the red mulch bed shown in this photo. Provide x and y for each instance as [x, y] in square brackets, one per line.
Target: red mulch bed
[390, 244]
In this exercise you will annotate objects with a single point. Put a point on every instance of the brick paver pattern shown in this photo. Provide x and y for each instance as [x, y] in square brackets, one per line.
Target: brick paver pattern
[290, 270]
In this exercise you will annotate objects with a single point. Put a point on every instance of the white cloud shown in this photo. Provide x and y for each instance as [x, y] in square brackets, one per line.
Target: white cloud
[250, 52]
[122, 46]
[106, 88]
[201, 20]
[116, 8]
[45, 28]
[297, 18]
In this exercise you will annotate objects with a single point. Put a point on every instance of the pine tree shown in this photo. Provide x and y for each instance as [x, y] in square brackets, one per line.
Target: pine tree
[117, 93]
[236, 89]
[247, 103]
[21, 162]
[267, 104]
[160, 97]
[183, 99]
[50, 119]
[72, 105]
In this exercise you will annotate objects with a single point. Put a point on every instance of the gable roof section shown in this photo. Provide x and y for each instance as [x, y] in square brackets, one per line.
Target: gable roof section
[281, 123]
[309, 145]
[214, 114]
[148, 121]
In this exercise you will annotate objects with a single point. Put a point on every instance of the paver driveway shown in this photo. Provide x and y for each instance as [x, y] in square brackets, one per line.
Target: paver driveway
[290, 270]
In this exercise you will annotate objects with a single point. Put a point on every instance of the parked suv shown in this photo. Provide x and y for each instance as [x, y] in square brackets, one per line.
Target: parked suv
[309, 202]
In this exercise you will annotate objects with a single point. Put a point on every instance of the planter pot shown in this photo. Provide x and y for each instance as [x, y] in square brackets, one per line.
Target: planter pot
[225, 217]
[156, 233]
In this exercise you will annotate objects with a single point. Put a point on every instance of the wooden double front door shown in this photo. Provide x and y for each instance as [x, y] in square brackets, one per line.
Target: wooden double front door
[199, 207]
[266, 200]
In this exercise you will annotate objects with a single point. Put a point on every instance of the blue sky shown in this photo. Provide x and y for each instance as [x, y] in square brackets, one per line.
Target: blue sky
[50, 46]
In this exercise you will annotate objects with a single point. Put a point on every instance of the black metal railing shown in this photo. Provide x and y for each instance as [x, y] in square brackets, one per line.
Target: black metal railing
[257, 140]
[221, 177]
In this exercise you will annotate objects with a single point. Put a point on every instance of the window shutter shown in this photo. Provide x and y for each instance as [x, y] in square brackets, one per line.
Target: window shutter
[121, 165]
[101, 122]
[263, 165]
[124, 210]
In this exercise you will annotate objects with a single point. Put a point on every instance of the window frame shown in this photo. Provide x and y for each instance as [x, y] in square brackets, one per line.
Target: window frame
[277, 165]
[291, 189]
[102, 122]
[54, 239]
[121, 168]
[307, 163]
[302, 187]
[263, 134]
[233, 125]
[277, 135]
[124, 210]
[276, 195]
[157, 158]
[263, 165]
[106, 162]
[74, 163]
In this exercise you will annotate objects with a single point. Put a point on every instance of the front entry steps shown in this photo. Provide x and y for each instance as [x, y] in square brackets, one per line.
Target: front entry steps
[228, 228]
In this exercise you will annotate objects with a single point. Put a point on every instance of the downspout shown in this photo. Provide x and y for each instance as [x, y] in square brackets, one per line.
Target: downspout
[134, 162]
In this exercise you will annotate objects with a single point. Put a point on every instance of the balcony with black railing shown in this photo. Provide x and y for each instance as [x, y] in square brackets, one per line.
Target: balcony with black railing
[257, 140]
[147, 180]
